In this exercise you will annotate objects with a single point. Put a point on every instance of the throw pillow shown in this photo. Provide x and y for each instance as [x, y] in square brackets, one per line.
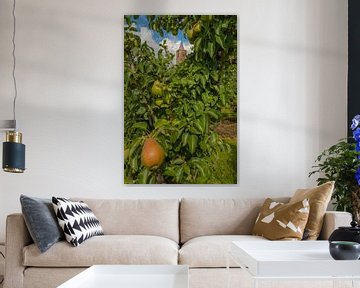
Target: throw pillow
[279, 221]
[77, 220]
[319, 198]
[41, 222]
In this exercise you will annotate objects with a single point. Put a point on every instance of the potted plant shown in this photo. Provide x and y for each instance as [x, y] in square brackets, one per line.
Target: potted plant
[341, 163]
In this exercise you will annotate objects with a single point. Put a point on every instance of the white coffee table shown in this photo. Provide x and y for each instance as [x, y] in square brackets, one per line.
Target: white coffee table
[285, 260]
[131, 276]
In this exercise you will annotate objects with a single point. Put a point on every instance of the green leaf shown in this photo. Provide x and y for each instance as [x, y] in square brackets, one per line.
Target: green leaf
[222, 99]
[215, 76]
[225, 24]
[219, 41]
[192, 142]
[184, 139]
[134, 146]
[200, 108]
[152, 179]
[203, 81]
[203, 121]
[140, 125]
[141, 110]
[169, 171]
[178, 161]
[144, 176]
[186, 108]
[217, 30]
[211, 49]
[126, 155]
[186, 169]
[197, 44]
[161, 123]
[212, 113]
[212, 138]
[179, 174]
[134, 163]
[198, 126]
[200, 168]
[175, 135]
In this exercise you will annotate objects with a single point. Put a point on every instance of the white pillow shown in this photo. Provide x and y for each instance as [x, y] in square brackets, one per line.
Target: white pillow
[76, 220]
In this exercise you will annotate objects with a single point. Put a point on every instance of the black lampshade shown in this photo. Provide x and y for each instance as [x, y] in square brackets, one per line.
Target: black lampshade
[13, 153]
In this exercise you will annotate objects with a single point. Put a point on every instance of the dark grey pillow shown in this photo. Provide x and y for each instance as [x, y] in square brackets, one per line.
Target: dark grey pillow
[41, 221]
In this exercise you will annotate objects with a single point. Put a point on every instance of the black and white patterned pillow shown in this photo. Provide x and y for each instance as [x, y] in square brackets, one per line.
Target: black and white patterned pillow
[77, 220]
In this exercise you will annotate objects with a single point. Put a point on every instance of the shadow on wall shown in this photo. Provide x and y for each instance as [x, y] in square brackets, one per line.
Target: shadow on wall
[303, 100]
[328, 73]
[83, 51]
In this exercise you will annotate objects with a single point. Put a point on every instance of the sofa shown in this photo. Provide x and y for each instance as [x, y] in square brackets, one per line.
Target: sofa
[194, 232]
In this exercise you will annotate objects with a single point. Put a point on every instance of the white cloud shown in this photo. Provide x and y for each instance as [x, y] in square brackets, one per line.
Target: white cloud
[147, 35]
[188, 47]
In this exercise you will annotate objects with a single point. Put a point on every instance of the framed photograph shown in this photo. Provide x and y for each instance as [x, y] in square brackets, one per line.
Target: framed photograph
[180, 99]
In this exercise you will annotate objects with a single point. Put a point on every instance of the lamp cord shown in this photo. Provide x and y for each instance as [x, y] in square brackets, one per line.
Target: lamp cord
[14, 61]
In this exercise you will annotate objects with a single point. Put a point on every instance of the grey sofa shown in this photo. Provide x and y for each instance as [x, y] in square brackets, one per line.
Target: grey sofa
[195, 232]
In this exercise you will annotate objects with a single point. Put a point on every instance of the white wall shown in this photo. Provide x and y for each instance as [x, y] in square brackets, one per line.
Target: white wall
[292, 84]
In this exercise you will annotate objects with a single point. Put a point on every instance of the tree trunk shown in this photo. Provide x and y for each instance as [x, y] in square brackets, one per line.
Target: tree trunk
[355, 201]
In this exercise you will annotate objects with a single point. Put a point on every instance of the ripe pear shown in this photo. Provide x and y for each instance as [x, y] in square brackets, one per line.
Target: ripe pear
[197, 28]
[152, 154]
[190, 34]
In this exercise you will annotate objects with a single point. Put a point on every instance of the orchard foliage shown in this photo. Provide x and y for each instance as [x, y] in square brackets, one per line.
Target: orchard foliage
[178, 105]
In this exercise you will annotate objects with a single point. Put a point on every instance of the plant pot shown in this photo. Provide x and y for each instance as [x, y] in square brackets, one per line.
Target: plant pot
[351, 233]
[343, 250]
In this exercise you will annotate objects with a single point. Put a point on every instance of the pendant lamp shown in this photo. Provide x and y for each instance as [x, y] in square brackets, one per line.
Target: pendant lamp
[13, 160]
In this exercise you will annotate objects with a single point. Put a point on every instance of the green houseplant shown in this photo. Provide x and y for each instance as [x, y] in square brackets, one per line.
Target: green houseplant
[341, 163]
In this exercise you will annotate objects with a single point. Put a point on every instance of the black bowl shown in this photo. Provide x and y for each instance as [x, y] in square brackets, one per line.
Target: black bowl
[344, 250]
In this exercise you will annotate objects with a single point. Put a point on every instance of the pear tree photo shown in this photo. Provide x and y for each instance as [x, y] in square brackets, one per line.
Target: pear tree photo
[180, 99]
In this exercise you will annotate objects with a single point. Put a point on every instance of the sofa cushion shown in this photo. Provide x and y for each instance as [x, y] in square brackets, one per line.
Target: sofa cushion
[159, 217]
[77, 220]
[107, 249]
[41, 221]
[279, 221]
[211, 251]
[35, 277]
[200, 217]
[319, 198]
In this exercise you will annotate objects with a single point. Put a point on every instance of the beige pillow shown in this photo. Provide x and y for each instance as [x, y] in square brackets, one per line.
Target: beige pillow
[279, 221]
[319, 198]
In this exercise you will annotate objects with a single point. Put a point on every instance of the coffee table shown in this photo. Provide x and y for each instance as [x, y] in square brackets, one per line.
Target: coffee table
[293, 260]
[131, 276]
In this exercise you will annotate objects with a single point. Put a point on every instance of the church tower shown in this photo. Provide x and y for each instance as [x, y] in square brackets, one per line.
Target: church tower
[180, 54]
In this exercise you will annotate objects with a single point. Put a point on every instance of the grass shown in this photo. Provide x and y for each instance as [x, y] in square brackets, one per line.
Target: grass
[224, 165]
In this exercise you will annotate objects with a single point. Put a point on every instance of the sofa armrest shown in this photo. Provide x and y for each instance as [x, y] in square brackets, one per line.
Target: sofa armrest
[17, 237]
[333, 220]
